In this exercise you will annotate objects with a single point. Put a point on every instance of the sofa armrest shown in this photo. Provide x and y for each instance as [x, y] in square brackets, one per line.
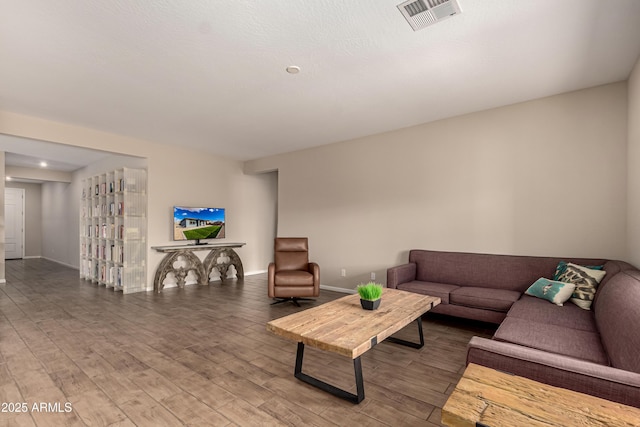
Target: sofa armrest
[557, 370]
[401, 274]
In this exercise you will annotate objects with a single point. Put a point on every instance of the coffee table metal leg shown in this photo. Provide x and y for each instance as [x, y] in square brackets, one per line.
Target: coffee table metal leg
[409, 343]
[357, 367]
[343, 394]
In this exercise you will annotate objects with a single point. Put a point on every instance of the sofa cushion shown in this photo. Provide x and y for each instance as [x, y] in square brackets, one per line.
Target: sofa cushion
[480, 314]
[439, 290]
[568, 316]
[550, 290]
[586, 281]
[618, 316]
[487, 298]
[583, 345]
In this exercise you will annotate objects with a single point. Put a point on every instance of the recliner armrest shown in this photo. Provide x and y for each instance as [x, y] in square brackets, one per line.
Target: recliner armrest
[271, 279]
[315, 270]
[401, 274]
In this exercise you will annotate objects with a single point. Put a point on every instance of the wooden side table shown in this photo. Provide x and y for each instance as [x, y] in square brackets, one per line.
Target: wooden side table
[486, 397]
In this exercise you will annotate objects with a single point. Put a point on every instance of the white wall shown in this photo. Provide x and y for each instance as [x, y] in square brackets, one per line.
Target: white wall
[32, 216]
[175, 176]
[545, 177]
[633, 157]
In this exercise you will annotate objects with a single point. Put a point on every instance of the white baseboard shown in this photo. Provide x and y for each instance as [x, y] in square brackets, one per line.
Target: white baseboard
[2, 281]
[337, 289]
[32, 257]
[61, 263]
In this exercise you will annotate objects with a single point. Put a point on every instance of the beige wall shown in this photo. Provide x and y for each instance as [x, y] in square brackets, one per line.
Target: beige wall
[2, 275]
[190, 178]
[546, 177]
[32, 217]
[175, 176]
[634, 165]
[60, 223]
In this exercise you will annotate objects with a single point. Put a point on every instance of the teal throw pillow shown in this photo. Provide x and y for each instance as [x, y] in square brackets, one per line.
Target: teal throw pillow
[551, 290]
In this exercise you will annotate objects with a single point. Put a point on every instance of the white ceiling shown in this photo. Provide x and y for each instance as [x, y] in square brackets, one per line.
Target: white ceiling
[211, 74]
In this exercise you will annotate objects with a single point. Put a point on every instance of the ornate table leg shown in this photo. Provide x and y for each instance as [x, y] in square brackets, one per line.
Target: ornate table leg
[179, 263]
[216, 259]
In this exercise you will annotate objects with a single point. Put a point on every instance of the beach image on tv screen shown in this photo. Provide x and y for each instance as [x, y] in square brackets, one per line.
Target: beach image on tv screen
[198, 223]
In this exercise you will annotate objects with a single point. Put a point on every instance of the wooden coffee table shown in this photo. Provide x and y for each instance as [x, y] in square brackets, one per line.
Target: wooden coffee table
[343, 327]
[486, 397]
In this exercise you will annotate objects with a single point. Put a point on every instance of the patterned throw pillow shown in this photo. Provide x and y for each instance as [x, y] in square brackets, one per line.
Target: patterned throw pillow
[556, 292]
[562, 266]
[586, 281]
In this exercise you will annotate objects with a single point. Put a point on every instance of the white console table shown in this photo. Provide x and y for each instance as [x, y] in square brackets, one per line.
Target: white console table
[182, 264]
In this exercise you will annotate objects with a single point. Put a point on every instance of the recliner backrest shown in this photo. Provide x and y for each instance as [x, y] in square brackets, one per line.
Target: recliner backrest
[291, 253]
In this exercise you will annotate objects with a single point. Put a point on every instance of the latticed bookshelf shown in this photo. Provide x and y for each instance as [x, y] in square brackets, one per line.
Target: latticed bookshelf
[113, 229]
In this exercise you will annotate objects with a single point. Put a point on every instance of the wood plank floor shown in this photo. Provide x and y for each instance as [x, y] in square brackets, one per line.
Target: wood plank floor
[79, 354]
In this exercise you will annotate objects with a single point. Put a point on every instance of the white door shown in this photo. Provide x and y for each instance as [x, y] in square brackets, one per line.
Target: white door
[13, 223]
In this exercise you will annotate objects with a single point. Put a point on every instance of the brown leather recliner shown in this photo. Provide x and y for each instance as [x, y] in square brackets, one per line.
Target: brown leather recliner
[291, 276]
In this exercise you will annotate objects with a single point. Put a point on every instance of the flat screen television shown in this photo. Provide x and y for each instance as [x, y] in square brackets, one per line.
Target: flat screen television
[198, 223]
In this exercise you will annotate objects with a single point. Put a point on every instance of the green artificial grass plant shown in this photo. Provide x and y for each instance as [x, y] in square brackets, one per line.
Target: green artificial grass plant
[371, 291]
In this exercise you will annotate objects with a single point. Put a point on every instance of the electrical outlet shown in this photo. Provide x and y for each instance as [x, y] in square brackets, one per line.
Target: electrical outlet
[373, 275]
[343, 272]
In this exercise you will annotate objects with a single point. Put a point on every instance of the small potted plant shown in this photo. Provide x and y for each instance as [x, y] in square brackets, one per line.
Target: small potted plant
[370, 295]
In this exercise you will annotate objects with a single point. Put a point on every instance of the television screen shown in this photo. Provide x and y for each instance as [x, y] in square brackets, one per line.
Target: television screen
[198, 223]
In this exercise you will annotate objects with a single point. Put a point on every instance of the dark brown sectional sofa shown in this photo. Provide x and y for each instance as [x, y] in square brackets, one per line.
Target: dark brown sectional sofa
[593, 351]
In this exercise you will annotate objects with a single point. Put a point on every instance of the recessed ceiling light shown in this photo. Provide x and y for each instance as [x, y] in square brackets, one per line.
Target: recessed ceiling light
[43, 164]
[293, 69]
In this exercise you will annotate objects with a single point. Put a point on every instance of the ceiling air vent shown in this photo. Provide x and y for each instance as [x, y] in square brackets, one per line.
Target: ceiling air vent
[422, 13]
